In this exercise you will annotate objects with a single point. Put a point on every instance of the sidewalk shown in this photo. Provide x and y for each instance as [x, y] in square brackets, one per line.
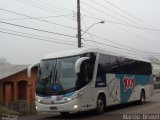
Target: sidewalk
[157, 91]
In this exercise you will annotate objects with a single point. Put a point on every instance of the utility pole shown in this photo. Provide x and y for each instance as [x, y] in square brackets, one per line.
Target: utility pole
[79, 24]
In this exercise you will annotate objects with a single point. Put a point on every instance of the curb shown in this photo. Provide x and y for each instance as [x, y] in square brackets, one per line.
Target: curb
[157, 91]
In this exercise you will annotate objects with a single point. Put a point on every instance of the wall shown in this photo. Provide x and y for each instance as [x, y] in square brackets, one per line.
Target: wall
[10, 90]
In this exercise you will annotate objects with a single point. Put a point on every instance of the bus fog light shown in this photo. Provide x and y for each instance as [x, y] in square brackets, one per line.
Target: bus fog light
[69, 99]
[75, 106]
[36, 107]
[39, 100]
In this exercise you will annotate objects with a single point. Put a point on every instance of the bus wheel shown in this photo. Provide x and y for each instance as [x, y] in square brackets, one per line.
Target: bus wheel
[142, 97]
[100, 108]
[64, 113]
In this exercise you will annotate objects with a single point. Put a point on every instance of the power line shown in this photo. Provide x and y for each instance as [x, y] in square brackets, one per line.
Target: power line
[143, 28]
[116, 17]
[124, 16]
[36, 38]
[55, 6]
[37, 18]
[97, 3]
[136, 50]
[128, 25]
[39, 6]
[124, 11]
[59, 7]
[33, 35]
[117, 47]
[103, 12]
[52, 38]
[99, 18]
[107, 20]
[136, 18]
[86, 11]
[118, 51]
[116, 42]
[25, 27]
[142, 51]
[42, 5]
[109, 45]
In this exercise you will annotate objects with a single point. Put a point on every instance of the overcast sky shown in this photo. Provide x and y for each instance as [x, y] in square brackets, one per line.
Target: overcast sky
[131, 27]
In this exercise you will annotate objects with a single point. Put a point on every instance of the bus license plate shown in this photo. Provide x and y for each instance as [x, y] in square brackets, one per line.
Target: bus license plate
[53, 108]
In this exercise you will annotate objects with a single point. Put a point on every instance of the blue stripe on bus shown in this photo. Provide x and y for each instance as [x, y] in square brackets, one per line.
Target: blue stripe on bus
[129, 82]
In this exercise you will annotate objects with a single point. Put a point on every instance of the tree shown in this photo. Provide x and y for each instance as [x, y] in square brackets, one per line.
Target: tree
[3, 61]
[153, 59]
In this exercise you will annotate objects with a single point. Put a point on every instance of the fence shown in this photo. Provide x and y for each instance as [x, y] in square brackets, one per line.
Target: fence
[157, 86]
[23, 107]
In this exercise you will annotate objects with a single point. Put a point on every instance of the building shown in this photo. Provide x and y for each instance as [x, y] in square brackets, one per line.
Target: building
[156, 74]
[15, 86]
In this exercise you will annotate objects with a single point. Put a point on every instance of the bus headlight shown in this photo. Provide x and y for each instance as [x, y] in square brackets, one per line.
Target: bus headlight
[76, 96]
[38, 100]
[69, 99]
[75, 106]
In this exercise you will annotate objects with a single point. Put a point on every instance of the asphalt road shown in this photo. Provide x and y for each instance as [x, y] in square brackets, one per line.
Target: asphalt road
[132, 111]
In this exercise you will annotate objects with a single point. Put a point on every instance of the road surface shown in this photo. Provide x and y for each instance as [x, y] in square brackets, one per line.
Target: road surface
[132, 111]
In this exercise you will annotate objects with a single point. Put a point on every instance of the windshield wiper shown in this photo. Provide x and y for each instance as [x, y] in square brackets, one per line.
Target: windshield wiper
[57, 82]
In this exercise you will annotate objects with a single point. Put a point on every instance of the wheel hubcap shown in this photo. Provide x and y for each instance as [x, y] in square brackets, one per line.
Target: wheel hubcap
[100, 105]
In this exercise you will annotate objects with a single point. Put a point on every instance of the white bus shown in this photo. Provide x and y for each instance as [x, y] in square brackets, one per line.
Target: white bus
[85, 79]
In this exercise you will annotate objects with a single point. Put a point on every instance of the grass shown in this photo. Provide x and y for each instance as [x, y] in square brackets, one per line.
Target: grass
[4, 110]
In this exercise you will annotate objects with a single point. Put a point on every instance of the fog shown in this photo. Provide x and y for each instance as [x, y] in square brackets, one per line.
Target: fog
[131, 27]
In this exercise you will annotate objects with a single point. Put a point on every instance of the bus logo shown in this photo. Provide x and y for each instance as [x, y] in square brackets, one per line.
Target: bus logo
[128, 83]
[59, 97]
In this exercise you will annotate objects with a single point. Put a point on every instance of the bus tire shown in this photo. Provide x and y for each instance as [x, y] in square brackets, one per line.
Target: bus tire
[64, 113]
[101, 105]
[142, 97]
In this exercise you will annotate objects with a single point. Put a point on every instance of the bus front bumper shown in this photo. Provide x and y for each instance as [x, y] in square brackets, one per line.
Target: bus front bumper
[71, 106]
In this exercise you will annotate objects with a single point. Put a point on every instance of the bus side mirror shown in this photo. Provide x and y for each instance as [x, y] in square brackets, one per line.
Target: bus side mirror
[29, 71]
[78, 64]
[84, 69]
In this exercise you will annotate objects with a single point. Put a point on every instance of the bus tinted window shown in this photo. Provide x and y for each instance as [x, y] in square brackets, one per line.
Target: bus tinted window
[118, 65]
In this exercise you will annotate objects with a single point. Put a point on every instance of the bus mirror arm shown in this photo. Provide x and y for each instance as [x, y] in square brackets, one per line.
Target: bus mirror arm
[78, 63]
[29, 71]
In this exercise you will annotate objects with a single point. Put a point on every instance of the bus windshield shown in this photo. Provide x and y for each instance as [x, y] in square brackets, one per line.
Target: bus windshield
[56, 76]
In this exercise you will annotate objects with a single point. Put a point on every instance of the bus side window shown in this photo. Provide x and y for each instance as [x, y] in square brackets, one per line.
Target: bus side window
[107, 64]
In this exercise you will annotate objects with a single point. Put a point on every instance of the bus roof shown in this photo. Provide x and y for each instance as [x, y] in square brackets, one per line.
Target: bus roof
[79, 51]
[71, 52]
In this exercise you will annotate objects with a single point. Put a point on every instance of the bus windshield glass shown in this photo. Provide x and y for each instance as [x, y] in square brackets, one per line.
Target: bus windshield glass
[56, 76]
